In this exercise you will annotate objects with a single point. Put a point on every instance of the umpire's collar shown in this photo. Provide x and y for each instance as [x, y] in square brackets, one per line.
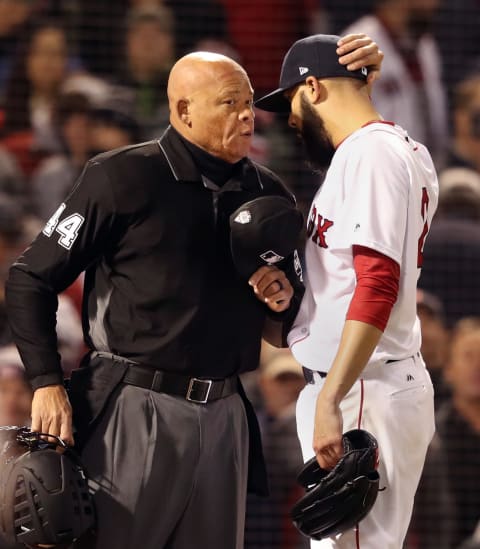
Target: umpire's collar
[184, 169]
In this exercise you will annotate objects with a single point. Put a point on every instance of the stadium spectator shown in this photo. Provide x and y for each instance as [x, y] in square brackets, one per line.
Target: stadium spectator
[435, 340]
[342, 13]
[465, 147]
[460, 194]
[195, 22]
[12, 217]
[268, 525]
[451, 266]
[15, 391]
[457, 28]
[99, 31]
[14, 14]
[12, 181]
[38, 72]
[410, 91]
[56, 175]
[263, 30]
[433, 517]
[114, 123]
[150, 51]
[458, 426]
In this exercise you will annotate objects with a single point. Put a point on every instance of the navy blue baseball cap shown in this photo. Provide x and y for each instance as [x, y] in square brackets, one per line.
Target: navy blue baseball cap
[312, 56]
[264, 231]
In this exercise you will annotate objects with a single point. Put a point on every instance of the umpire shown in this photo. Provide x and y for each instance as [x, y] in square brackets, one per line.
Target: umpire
[167, 434]
[157, 405]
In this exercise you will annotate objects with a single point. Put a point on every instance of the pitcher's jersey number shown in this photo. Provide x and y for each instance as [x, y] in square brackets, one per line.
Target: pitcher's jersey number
[423, 213]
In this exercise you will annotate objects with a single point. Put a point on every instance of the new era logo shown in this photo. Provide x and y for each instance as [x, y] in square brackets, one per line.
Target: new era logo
[243, 217]
[303, 70]
[364, 71]
[271, 257]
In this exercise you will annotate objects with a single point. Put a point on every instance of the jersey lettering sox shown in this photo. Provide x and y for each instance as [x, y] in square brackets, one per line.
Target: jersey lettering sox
[380, 191]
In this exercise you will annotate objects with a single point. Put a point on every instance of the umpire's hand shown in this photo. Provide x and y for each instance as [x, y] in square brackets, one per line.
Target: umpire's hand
[52, 413]
[272, 287]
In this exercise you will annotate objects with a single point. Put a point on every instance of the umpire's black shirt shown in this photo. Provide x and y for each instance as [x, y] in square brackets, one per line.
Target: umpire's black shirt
[152, 234]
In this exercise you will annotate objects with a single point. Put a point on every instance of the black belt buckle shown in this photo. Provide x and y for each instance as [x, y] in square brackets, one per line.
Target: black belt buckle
[199, 390]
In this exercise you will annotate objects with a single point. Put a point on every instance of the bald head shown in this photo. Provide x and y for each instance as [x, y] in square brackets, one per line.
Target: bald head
[197, 70]
[210, 93]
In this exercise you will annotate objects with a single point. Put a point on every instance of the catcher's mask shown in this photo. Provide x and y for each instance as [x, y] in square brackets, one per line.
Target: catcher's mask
[44, 497]
[339, 499]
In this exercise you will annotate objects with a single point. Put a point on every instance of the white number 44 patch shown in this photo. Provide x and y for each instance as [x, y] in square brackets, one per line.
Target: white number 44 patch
[68, 227]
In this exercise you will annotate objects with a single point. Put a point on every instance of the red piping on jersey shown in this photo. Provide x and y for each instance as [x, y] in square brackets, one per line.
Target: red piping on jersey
[378, 122]
[360, 412]
[298, 340]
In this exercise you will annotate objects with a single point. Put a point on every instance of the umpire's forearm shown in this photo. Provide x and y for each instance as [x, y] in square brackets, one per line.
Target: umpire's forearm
[31, 308]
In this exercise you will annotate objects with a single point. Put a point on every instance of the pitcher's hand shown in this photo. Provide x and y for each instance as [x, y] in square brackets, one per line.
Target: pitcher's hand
[327, 437]
[359, 50]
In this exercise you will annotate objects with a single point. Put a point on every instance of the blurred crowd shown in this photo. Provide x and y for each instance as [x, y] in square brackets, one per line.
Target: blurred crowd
[79, 77]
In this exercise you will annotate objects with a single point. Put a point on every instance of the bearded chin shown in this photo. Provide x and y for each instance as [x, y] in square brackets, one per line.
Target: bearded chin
[318, 151]
[317, 144]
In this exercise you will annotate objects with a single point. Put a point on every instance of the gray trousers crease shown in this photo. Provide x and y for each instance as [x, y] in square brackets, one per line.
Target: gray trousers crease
[167, 473]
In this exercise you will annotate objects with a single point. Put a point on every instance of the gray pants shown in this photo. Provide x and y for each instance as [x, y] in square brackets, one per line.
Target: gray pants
[167, 473]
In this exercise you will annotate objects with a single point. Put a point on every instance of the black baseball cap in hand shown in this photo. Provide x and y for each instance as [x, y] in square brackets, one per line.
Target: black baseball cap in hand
[312, 56]
[264, 231]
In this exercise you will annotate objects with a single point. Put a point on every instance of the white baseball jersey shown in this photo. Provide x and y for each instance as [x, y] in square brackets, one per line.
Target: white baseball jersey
[380, 191]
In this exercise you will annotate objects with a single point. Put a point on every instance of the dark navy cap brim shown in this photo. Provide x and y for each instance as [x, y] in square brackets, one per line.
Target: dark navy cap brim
[274, 101]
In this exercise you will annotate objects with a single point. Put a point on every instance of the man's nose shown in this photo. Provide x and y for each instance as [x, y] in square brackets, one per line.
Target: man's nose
[247, 115]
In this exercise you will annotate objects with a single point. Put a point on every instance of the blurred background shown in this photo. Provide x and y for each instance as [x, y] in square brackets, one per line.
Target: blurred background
[78, 77]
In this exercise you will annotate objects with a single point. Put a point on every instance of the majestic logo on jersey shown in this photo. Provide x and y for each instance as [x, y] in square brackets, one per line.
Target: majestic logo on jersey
[303, 70]
[317, 226]
[271, 257]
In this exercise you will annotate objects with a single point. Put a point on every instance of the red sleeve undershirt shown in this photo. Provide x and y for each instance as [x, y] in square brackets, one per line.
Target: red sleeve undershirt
[377, 287]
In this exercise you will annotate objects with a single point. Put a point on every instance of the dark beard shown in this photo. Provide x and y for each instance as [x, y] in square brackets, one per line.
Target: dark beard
[318, 146]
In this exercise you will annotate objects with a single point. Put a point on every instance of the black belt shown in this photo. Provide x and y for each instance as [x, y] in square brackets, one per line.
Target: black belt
[192, 389]
[400, 359]
[308, 375]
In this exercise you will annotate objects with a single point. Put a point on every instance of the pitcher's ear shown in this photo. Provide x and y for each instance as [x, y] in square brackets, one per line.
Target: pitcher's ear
[315, 90]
